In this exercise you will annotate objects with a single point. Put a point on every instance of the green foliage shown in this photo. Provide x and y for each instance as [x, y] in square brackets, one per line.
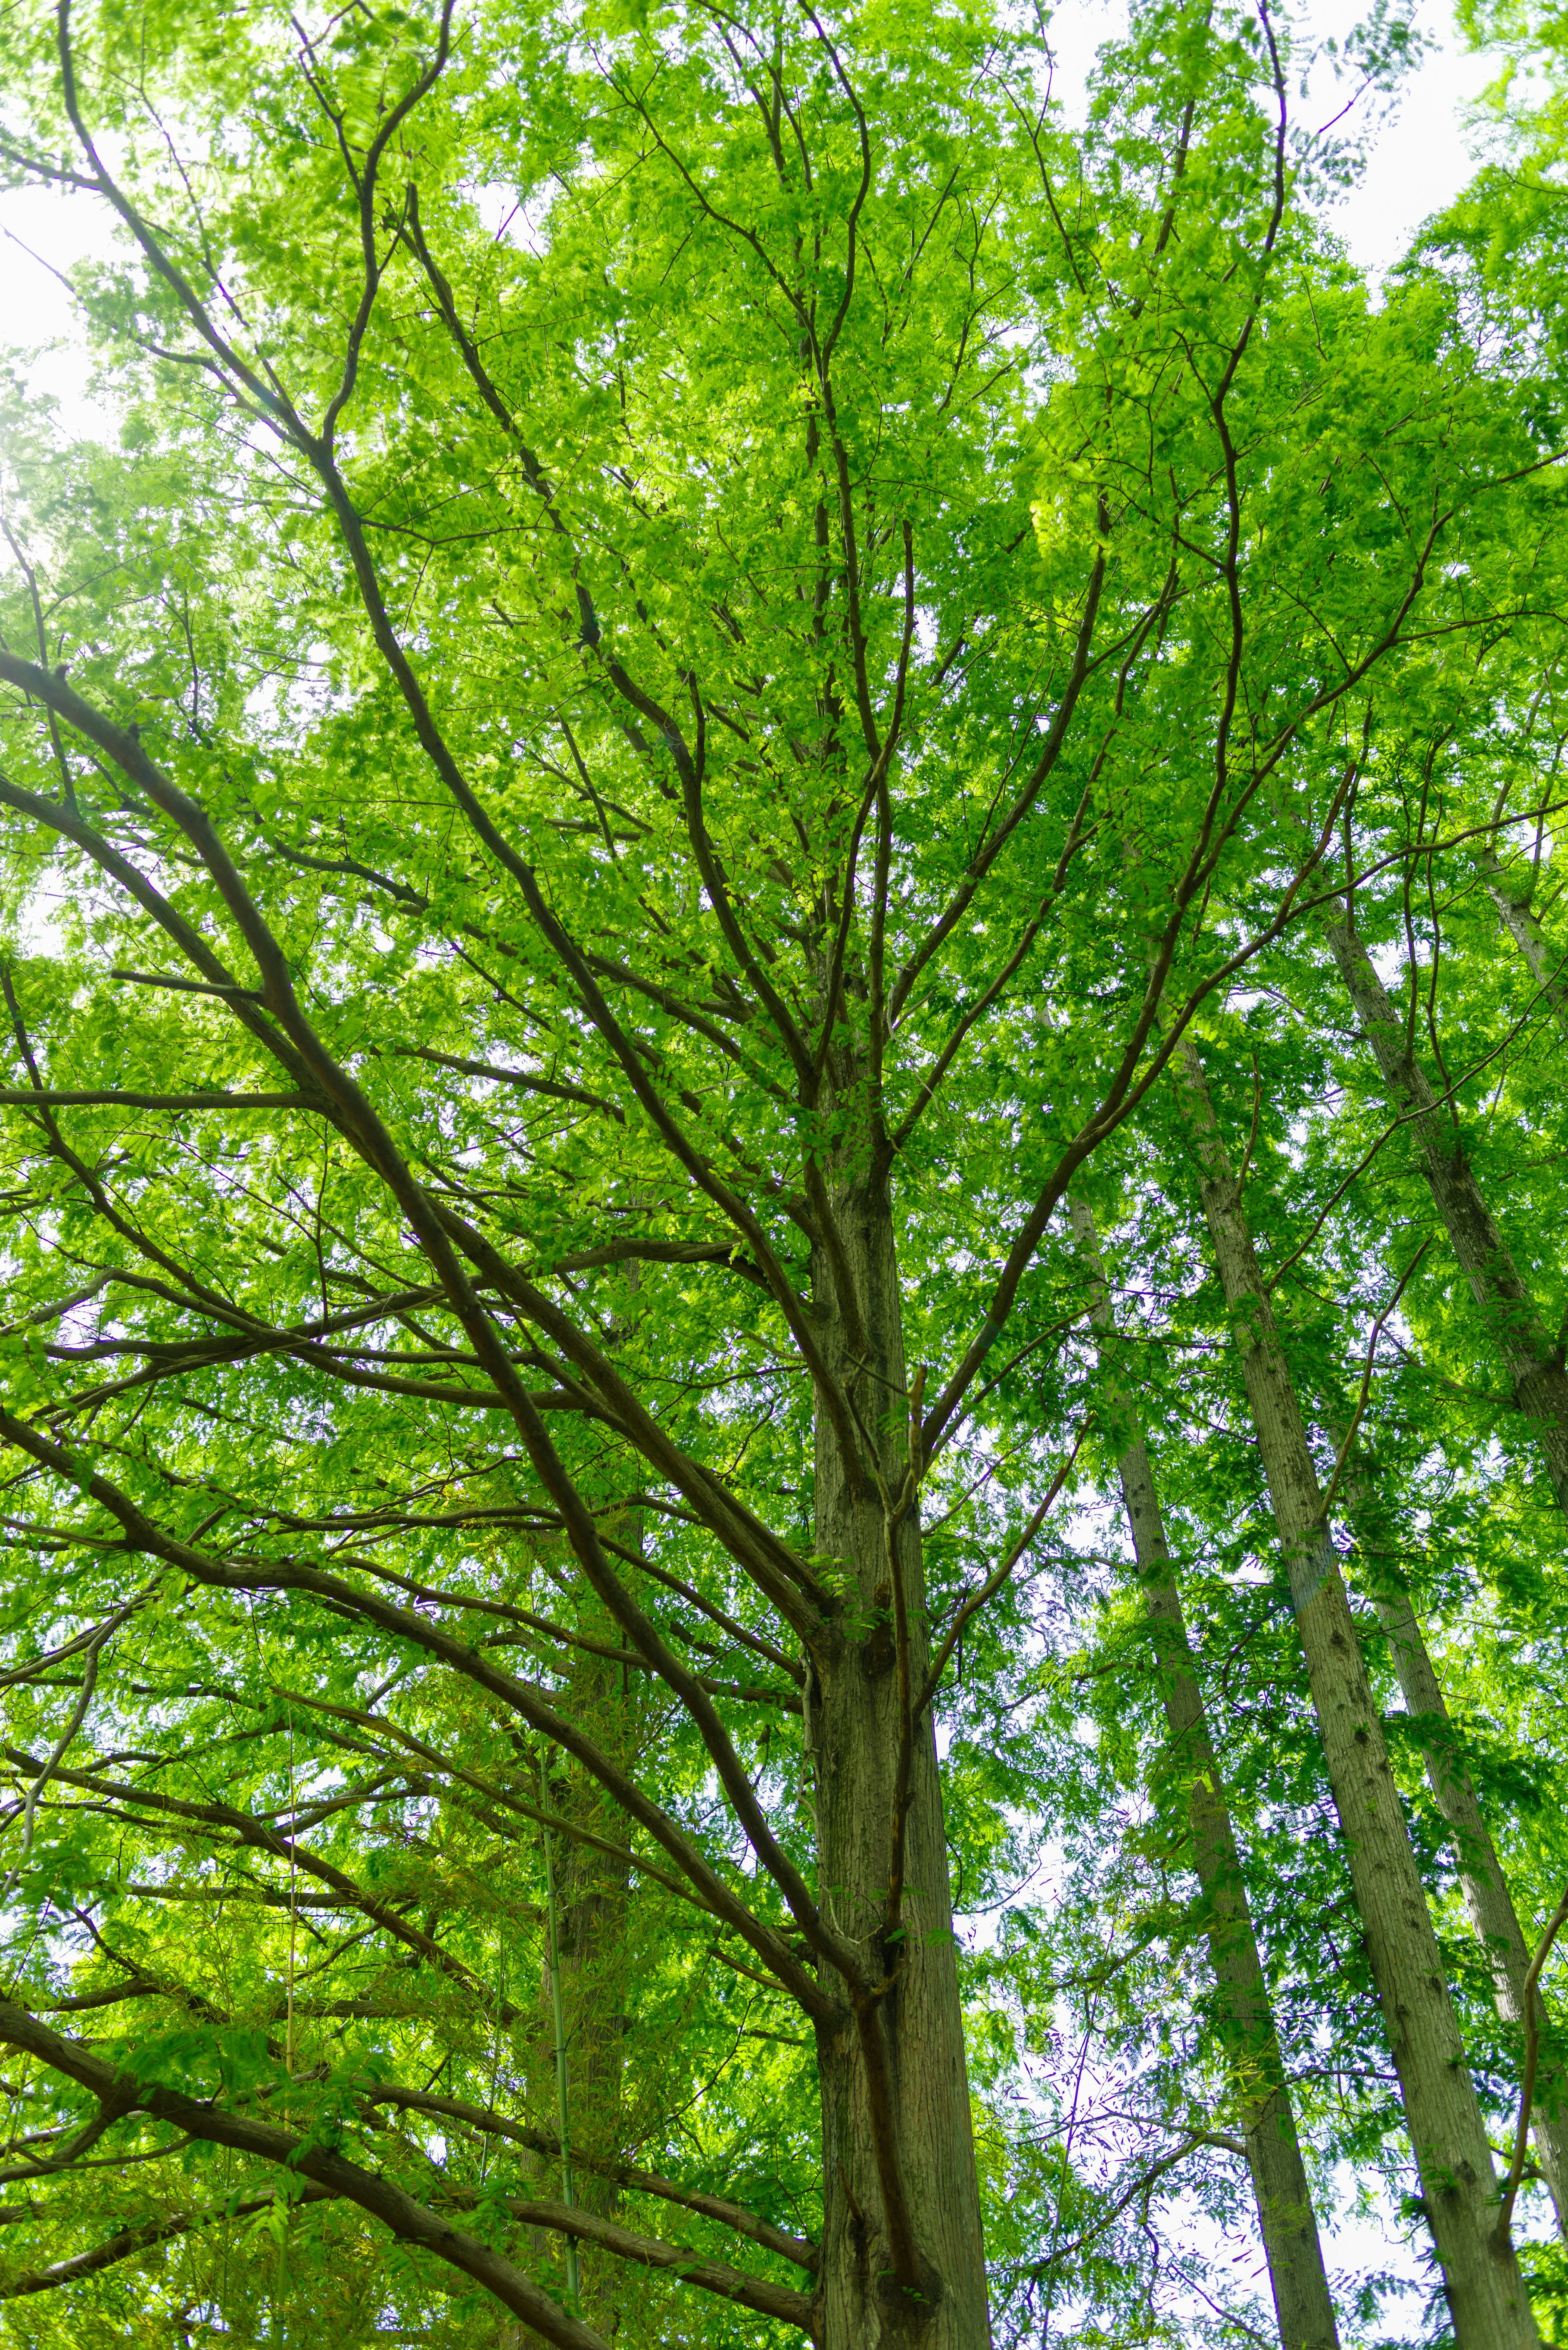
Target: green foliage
[747, 621]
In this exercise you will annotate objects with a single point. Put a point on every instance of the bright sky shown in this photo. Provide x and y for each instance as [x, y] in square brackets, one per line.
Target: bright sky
[1419, 161]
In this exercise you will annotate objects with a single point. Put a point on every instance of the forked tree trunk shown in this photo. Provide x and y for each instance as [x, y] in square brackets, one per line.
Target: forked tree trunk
[1303, 2305]
[1488, 1901]
[906, 2137]
[1485, 2292]
[1530, 1358]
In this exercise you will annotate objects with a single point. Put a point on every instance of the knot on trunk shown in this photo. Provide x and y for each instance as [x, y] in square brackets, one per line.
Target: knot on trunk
[878, 1650]
[907, 2305]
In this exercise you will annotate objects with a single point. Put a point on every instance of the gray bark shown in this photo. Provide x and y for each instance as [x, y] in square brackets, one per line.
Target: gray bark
[1453, 2158]
[1511, 899]
[1485, 1888]
[1303, 2305]
[593, 1899]
[1530, 1358]
[895, 2086]
[1482, 1883]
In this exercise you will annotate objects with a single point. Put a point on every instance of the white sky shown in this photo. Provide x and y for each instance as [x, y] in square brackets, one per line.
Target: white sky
[1420, 159]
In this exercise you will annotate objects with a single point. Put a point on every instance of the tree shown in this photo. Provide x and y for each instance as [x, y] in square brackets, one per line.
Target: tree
[657, 569]
[1287, 2223]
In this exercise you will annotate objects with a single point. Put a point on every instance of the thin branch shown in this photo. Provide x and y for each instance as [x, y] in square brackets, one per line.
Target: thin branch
[382, 2198]
[1503, 2238]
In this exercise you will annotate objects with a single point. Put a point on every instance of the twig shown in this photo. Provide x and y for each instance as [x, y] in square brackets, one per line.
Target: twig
[1344, 1453]
[1527, 2087]
[994, 1582]
[78, 1715]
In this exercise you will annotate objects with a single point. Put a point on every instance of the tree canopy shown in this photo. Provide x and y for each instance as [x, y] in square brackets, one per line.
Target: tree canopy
[784, 1423]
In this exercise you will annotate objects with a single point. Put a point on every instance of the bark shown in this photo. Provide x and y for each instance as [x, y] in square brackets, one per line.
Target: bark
[1511, 899]
[1485, 2292]
[1485, 1888]
[1303, 2305]
[1488, 1901]
[902, 2257]
[1532, 1361]
[593, 1894]
[593, 1901]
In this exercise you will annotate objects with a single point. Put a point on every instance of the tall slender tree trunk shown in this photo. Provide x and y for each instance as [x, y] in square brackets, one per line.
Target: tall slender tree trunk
[1511, 899]
[592, 1893]
[1531, 1360]
[1485, 2291]
[1488, 1901]
[594, 1898]
[1303, 2305]
[898, 2167]
[1481, 1880]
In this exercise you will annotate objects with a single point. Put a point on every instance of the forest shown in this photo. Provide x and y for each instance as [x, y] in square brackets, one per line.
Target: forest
[783, 1354]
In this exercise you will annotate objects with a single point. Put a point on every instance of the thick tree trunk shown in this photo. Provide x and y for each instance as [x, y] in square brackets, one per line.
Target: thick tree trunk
[1529, 1357]
[1303, 2305]
[1485, 2292]
[898, 2168]
[1511, 899]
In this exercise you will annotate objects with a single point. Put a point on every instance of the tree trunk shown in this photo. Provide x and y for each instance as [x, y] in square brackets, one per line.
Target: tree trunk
[1512, 903]
[1481, 1880]
[594, 1895]
[1530, 1361]
[1488, 1901]
[592, 1900]
[902, 2257]
[1302, 2304]
[1486, 2295]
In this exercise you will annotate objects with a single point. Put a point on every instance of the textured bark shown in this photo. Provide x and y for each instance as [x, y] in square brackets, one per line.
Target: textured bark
[1485, 2292]
[895, 2086]
[1530, 1358]
[1488, 1901]
[1303, 2305]
[1511, 899]
[1485, 1887]
[592, 1894]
